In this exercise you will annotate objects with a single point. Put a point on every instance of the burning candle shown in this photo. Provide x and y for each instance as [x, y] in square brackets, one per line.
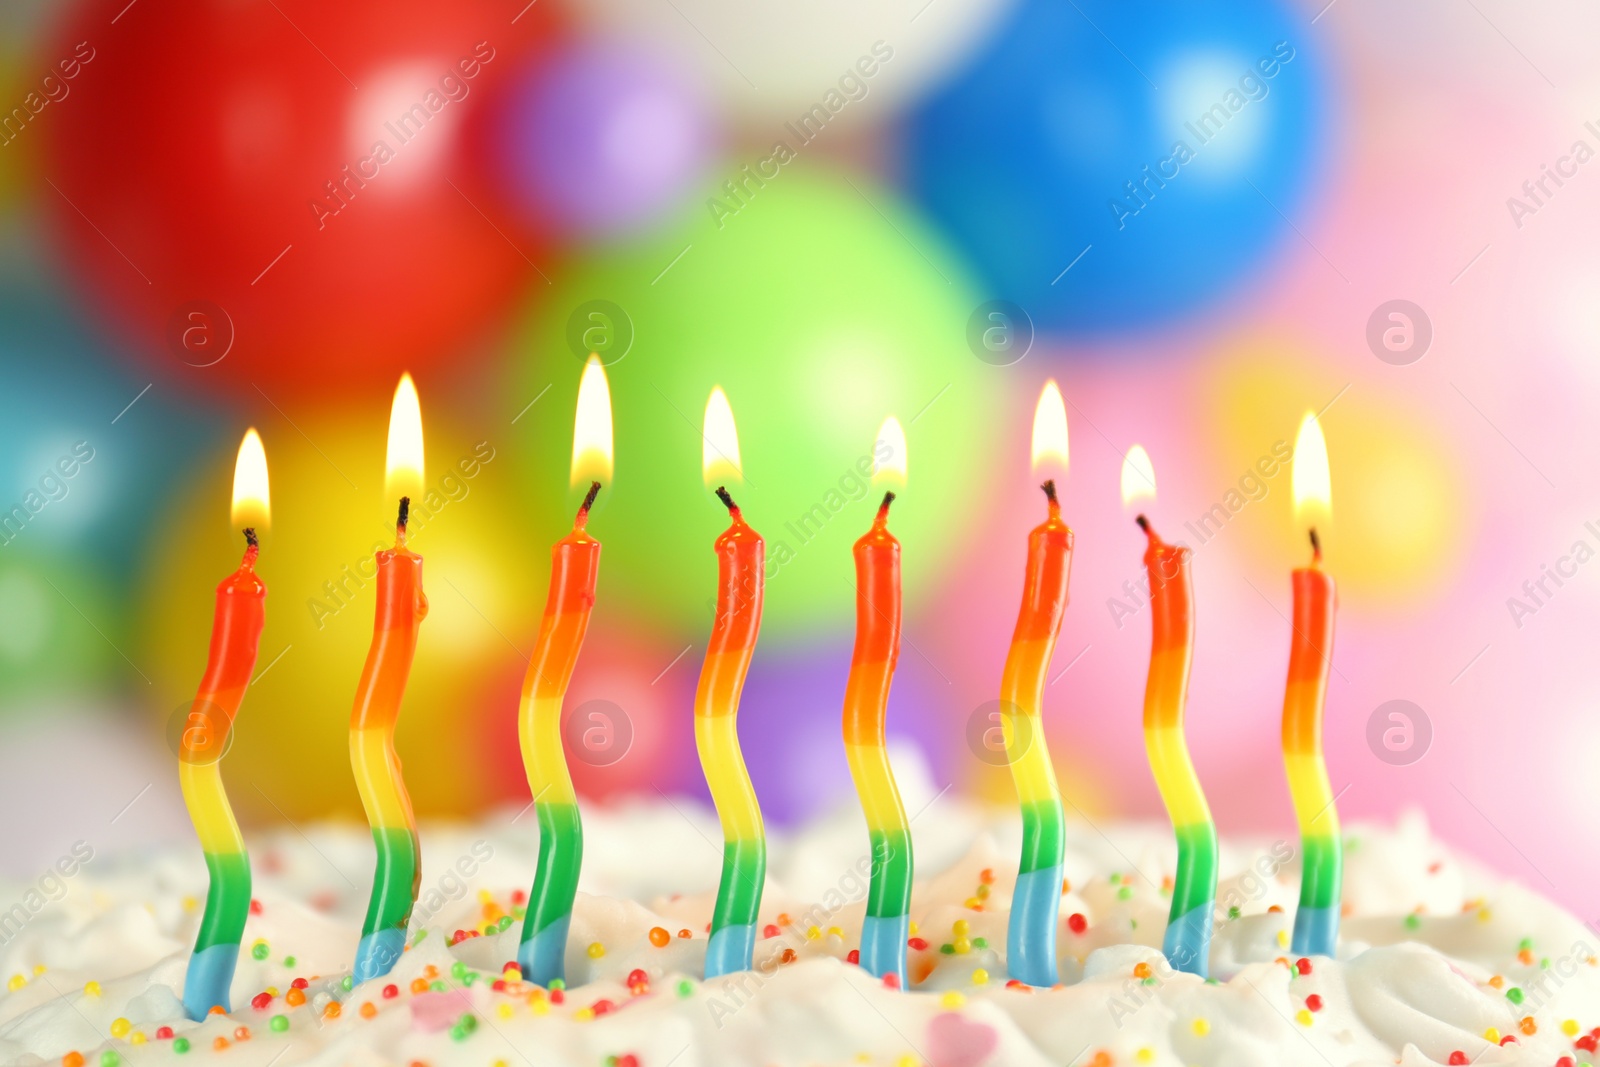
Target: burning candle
[401, 607]
[877, 554]
[235, 634]
[1316, 923]
[574, 570]
[1194, 890]
[1036, 903]
[740, 580]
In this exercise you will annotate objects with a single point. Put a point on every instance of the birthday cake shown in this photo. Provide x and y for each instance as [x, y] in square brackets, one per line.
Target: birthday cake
[1439, 961]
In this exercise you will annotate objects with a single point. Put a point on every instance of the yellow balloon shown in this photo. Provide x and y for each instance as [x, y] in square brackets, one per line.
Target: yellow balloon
[1398, 500]
[484, 581]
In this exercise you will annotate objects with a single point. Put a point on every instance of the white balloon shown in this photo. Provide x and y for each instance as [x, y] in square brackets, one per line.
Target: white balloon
[773, 63]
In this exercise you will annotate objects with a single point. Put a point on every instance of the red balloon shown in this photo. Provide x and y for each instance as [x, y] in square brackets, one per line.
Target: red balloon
[284, 192]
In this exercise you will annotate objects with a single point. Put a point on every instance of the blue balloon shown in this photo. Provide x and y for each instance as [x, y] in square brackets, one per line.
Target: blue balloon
[1108, 164]
[89, 448]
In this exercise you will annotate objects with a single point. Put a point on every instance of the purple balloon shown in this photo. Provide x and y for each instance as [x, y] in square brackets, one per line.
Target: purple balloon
[790, 727]
[604, 139]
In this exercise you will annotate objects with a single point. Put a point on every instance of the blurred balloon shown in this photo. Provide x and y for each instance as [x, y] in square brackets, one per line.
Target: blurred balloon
[62, 632]
[627, 724]
[789, 727]
[1109, 165]
[88, 448]
[820, 307]
[773, 63]
[604, 139]
[1399, 504]
[482, 576]
[259, 220]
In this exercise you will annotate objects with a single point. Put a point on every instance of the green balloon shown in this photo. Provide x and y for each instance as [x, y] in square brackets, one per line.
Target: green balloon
[60, 633]
[820, 305]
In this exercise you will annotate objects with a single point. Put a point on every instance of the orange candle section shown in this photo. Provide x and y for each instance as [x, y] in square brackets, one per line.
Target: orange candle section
[741, 558]
[872, 664]
[1036, 902]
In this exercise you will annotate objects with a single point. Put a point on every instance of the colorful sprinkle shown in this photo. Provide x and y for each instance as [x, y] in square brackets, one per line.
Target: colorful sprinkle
[659, 936]
[278, 1023]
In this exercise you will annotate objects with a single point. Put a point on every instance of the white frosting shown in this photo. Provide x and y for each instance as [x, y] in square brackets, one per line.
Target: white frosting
[1401, 992]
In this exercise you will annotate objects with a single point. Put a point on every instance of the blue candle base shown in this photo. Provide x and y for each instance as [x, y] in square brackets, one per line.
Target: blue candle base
[377, 953]
[1031, 935]
[883, 945]
[1188, 941]
[1316, 931]
[543, 957]
[730, 949]
[209, 977]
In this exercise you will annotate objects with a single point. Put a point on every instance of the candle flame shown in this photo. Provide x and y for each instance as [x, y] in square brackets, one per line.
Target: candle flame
[591, 427]
[252, 499]
[889, 456]
[1138, 476]
[403, 474]
[1050, 429]
[1313, 491]
[719, 454]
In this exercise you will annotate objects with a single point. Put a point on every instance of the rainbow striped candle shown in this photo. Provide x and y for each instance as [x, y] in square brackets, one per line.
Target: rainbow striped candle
[401, 607]
[1316, 923]
[887, 924]
[1194, 891]
[574, 572]
[1036, 900]
[1036, 903]
[741, 577]
[235, 637]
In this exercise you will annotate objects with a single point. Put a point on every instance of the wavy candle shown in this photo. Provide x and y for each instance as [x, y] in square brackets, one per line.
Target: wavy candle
[235, 637]
[401, 607]
[1316, 922]
[886, 926]
[740, 578]
[1036, 902]
[574, 572]
[1194, 892]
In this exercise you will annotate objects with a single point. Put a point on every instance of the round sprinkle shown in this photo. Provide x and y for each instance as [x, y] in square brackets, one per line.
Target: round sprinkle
[659, 936]
[1303, 1017]
[1077, 923]
[278, 1023]
[108, 1058]
[180, 1045]
[368, 1009]
[980, 942]
[347, 983]
[259, 950]
[685, 988]
[1514, 995]
[120, 1027]
[980, 977]
[1141, 970]
[1145, 1055]
[72, 1059]
[951, 1000]
[1314, 1002]
[596, 950]
[288, 961]
[961, 928]
[1201, 1027]
[17, 982]
[91, 989]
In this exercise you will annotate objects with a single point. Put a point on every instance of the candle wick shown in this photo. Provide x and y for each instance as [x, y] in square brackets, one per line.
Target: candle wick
[727, 500]
[888, 498]
[588, 502]
[250, 537]
[405, 513]
[1144, 523]
[1316, 545]
[1049, 488]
